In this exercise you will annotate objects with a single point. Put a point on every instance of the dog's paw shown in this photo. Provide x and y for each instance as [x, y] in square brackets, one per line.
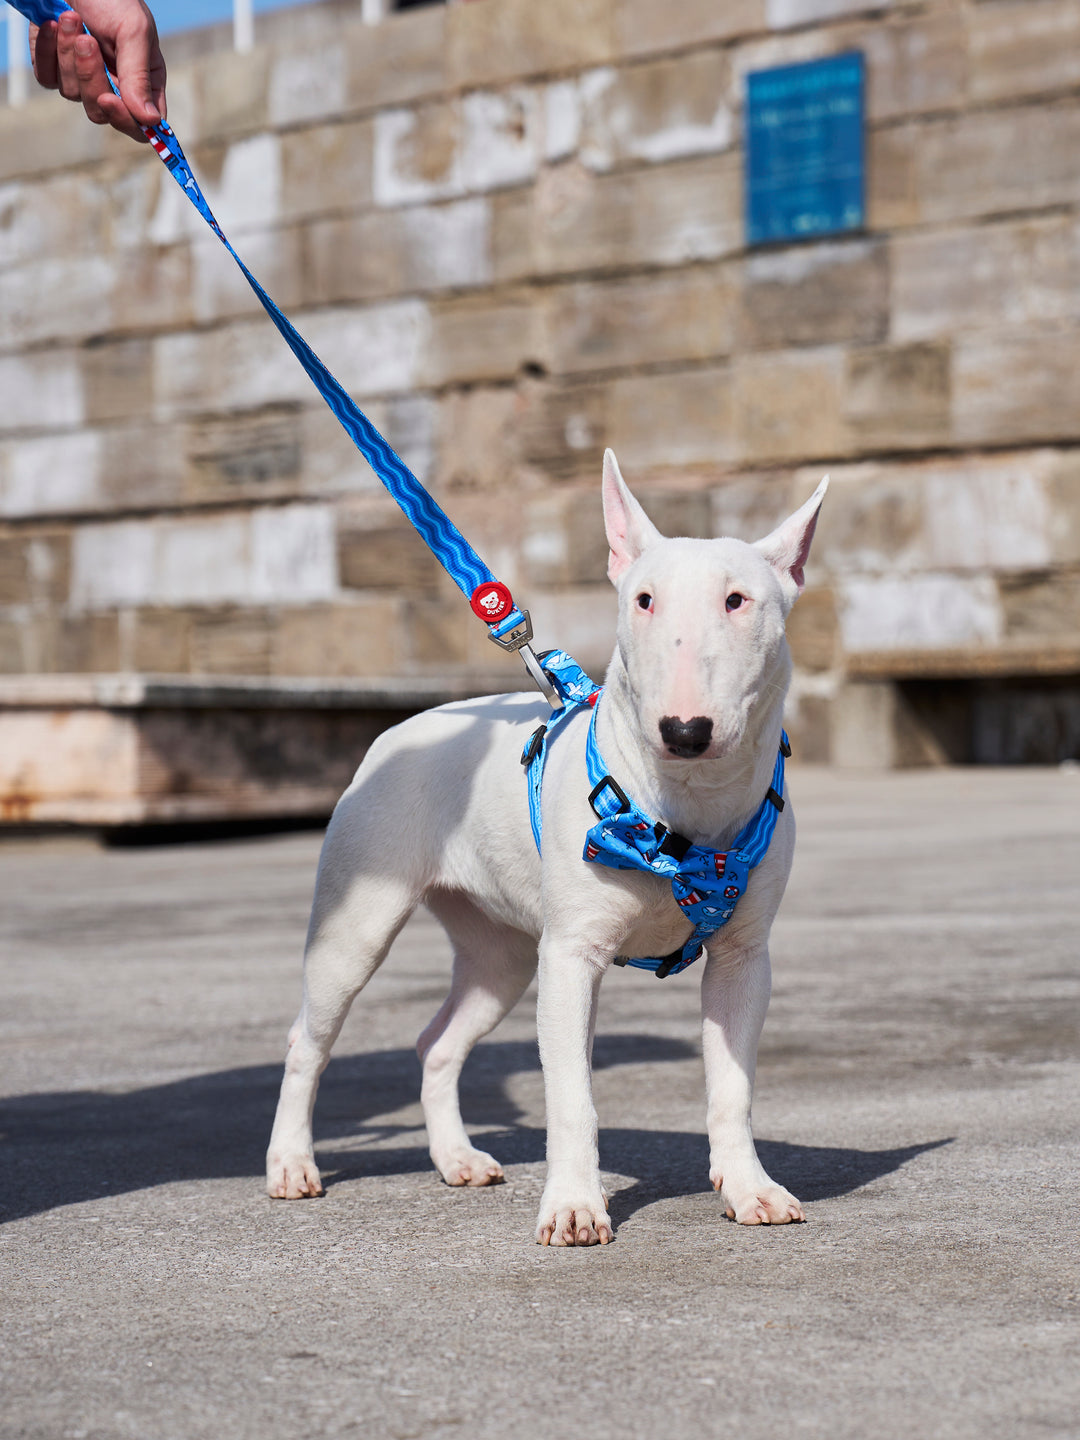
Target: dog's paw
[468, 1167]
[578, 1223]
[292, 1177]
[762, 1204]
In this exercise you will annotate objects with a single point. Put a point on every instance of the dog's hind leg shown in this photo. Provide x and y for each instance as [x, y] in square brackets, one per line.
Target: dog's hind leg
[493, 965]
[353, 923]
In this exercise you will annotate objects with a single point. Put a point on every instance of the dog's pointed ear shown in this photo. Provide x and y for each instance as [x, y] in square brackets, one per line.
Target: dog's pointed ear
[787, 549]
[629, 529]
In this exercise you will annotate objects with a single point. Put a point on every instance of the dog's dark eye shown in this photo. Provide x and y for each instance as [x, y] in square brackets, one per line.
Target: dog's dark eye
[735, 600]
[644, 601]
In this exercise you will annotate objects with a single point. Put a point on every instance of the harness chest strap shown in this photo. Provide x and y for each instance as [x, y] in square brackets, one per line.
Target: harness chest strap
[706, 884]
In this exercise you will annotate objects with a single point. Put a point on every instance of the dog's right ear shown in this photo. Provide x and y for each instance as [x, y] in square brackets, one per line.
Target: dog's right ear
[629, 529]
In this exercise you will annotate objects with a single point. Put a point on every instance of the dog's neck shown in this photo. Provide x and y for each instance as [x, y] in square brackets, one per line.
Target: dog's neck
[708, 801]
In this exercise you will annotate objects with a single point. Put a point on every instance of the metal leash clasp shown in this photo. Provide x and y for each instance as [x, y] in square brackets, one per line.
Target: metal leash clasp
[517, 637]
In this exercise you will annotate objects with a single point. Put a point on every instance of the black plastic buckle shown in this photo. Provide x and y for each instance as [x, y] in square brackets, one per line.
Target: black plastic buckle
[536, 739]
[668, 963]
[607, 783]
[785, 749]
[671, 843]
[777, 800]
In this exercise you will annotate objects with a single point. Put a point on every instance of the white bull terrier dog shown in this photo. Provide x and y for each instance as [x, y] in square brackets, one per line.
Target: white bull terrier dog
[689, 725]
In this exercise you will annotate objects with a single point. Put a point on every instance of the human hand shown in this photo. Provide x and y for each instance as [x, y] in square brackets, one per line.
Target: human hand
[125, 39]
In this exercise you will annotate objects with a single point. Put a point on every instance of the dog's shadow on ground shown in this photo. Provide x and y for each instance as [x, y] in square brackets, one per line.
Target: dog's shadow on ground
[65, 1148]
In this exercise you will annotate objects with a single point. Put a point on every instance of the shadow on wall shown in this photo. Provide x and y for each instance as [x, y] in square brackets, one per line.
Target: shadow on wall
[65, 1148]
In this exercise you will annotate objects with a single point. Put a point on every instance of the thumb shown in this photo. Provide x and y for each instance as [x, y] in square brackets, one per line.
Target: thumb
[136, 52]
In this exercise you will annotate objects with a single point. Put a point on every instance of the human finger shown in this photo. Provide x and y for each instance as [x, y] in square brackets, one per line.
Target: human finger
[43, 53]
[120, 117]
[68, 30]
[90, 73]
[140, 67]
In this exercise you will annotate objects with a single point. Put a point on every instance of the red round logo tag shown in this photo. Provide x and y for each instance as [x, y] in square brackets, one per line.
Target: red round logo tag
[491, 601]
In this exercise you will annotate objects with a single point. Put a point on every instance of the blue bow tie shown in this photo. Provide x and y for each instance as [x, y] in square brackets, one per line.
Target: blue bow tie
[706, 883]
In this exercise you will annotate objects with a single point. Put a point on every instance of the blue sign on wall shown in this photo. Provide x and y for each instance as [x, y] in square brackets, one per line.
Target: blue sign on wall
[804, 150]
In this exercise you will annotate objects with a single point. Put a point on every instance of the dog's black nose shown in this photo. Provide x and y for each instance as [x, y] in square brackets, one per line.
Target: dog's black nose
[686, 738]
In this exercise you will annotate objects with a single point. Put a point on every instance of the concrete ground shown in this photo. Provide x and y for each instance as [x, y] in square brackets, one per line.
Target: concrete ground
[917, 1088]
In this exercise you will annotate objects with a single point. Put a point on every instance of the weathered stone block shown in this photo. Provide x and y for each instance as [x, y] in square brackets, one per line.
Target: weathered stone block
[371, 351]
[818, 294]
[892, 181]
[327, 168]
[783, 13]
[1016, 274]
[155, 288]
[1041, 605]
[398, 60]
[14, 570]
[231, 642]
[482, 339]
[748, 506]
[383, 556]
[243, 456]
[162, 643]
[417, 154]
[488, 44]
[1012, 389]
[117, 380]
[502, 138]
[564, 541]
[242, 182]
[231, 93]
[788, 405]
[1026, 47]
[662, 111]
[562, 430]
[141, 466]
[664, 215]
[66, 215]
[1061, 481]
[436, 635]
[898, 397]
[45, 135]
[363, 638]
[650, 319]
[996, 162]
[56, 299]
[675, 419]
[86, 643]
[52, 474]
[306, 84]
[813, 630]
[41, 389]
[875, 520]
[478, 439]
[644, 27]
[384, 253]
[270, 555]
[899, 612]
[219, 290]
[582, 617]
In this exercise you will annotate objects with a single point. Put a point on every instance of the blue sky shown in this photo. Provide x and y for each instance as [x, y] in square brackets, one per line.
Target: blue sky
[172, 15]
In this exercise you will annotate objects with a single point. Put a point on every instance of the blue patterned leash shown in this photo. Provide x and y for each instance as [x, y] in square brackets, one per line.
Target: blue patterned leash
[509, 627]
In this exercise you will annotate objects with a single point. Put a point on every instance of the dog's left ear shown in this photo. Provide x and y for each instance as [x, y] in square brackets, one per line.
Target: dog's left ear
[787, 549]
[629, 529]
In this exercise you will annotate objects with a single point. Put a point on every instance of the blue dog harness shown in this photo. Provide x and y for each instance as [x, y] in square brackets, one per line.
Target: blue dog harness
[706, 884]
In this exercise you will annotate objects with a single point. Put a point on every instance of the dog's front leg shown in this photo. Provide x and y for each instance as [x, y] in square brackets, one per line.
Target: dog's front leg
[573, 1210]
[734, 998]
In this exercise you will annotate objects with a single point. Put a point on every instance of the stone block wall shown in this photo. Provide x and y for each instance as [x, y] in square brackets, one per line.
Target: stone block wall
[515, 233]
